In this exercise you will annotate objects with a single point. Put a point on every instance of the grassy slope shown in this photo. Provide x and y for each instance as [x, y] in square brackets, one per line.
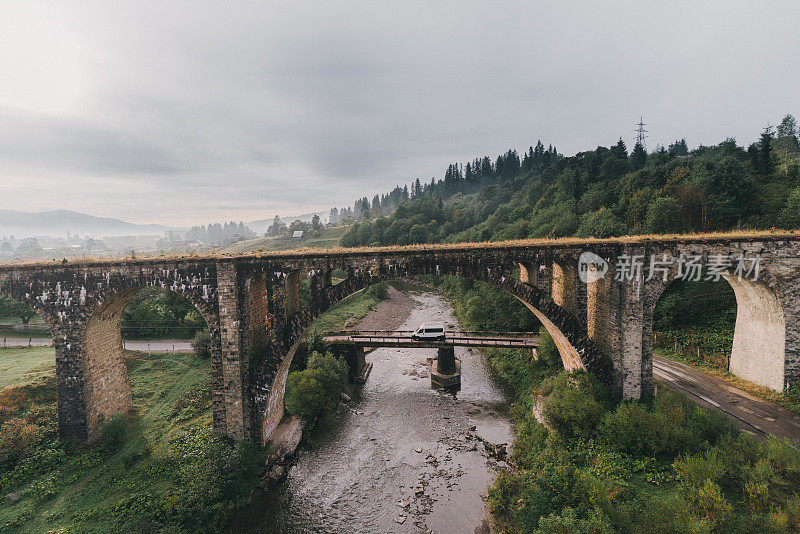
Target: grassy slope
[26, 365]
[329, 238]
[144, 483]
[356, 306]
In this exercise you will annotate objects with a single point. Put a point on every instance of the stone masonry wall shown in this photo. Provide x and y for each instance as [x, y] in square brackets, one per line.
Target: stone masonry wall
[605, 327]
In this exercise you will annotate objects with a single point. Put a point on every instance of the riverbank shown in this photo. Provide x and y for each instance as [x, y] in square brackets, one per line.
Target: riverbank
[401, 457]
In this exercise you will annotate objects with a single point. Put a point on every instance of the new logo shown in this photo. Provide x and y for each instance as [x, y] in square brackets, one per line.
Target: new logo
[591, 267]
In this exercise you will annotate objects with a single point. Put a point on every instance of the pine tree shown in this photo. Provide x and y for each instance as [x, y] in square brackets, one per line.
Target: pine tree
[620, 150]
[638, 156]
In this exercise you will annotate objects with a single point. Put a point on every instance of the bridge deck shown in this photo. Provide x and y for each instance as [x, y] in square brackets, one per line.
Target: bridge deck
[404, 339]
[511, 245]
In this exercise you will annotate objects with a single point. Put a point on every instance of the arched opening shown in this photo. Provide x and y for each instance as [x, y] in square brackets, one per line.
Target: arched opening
[759, 340]
[158, 327]
[563, 287]
[22, 326]
[273, 408]
[732, 324]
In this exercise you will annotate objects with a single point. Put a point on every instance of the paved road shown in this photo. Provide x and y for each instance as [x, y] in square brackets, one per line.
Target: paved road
[753, 415]
[156, 345]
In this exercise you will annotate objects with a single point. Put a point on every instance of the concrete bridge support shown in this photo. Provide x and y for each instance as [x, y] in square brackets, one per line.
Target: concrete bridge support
[355, 356]
[447, 370]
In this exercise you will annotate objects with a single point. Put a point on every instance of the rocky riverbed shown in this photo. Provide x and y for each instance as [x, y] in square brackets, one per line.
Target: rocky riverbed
[400, 457]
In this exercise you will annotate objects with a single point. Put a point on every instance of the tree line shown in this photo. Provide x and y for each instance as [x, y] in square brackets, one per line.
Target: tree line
[458, 178]
[216, 233]
[604, 192]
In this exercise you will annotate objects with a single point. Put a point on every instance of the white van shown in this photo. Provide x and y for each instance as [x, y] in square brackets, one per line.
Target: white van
[428, 332]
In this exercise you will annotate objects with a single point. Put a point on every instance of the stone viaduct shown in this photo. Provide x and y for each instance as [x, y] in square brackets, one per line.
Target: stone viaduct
[253, 308]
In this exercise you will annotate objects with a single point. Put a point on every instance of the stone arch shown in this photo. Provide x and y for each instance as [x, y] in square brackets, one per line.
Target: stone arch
[106, 386]
[759, 340]
[575, 348]
[79, 302]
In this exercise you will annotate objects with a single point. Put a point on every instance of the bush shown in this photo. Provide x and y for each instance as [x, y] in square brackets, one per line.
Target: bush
[568, 522]
[633, 429]
[380, 290]
[314, 390]
[18, 439]
[670, 426]
[711, 504]
[305, 394]
[11, 399]
[695, 471]
[117, 429]
[575, 405]
[201, 344]
[333, 373]
[548, 352]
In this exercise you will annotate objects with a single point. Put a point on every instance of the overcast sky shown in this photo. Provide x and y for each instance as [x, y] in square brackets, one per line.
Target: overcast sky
[189, 112]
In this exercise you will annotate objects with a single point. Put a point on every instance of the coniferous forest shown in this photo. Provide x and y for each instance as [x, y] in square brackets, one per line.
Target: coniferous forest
[599, 193]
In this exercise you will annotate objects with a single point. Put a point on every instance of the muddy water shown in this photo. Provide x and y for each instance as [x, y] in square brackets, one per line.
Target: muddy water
[362, 473]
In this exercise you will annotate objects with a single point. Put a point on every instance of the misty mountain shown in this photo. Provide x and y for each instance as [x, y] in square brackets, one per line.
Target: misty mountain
[57, 223]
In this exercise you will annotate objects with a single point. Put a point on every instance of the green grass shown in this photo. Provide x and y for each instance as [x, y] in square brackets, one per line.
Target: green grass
[328, 238]
[26, 365]
[159, 470]
[356, 306]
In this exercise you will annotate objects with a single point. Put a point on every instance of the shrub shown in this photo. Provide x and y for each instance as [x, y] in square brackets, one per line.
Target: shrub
[785, 459]
[316, 389]
[529, 439]
[305, 394]
[568, 522]
[695, 471]
[18, 439]
[333, 374]
[633, 429]
[548, 352]
[573, 408]
[380, 290]
[711, 504]
[201, 344]
[117, 429]
[11, 399]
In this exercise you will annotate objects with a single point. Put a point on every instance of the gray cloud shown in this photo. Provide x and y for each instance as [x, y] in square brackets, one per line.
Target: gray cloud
[186, 112]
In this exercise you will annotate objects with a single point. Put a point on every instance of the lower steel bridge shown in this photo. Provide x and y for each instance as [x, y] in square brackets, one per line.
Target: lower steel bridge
[447, 371]
[405, 339]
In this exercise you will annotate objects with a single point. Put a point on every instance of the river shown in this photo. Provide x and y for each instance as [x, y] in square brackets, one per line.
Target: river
[401, 457]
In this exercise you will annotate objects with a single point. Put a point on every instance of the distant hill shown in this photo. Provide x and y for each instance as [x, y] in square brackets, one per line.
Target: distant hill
[57, 223]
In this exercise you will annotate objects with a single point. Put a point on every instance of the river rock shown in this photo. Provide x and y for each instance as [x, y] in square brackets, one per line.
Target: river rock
[346, 397]
[400, 519]
[284, 440]
[275, 474]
